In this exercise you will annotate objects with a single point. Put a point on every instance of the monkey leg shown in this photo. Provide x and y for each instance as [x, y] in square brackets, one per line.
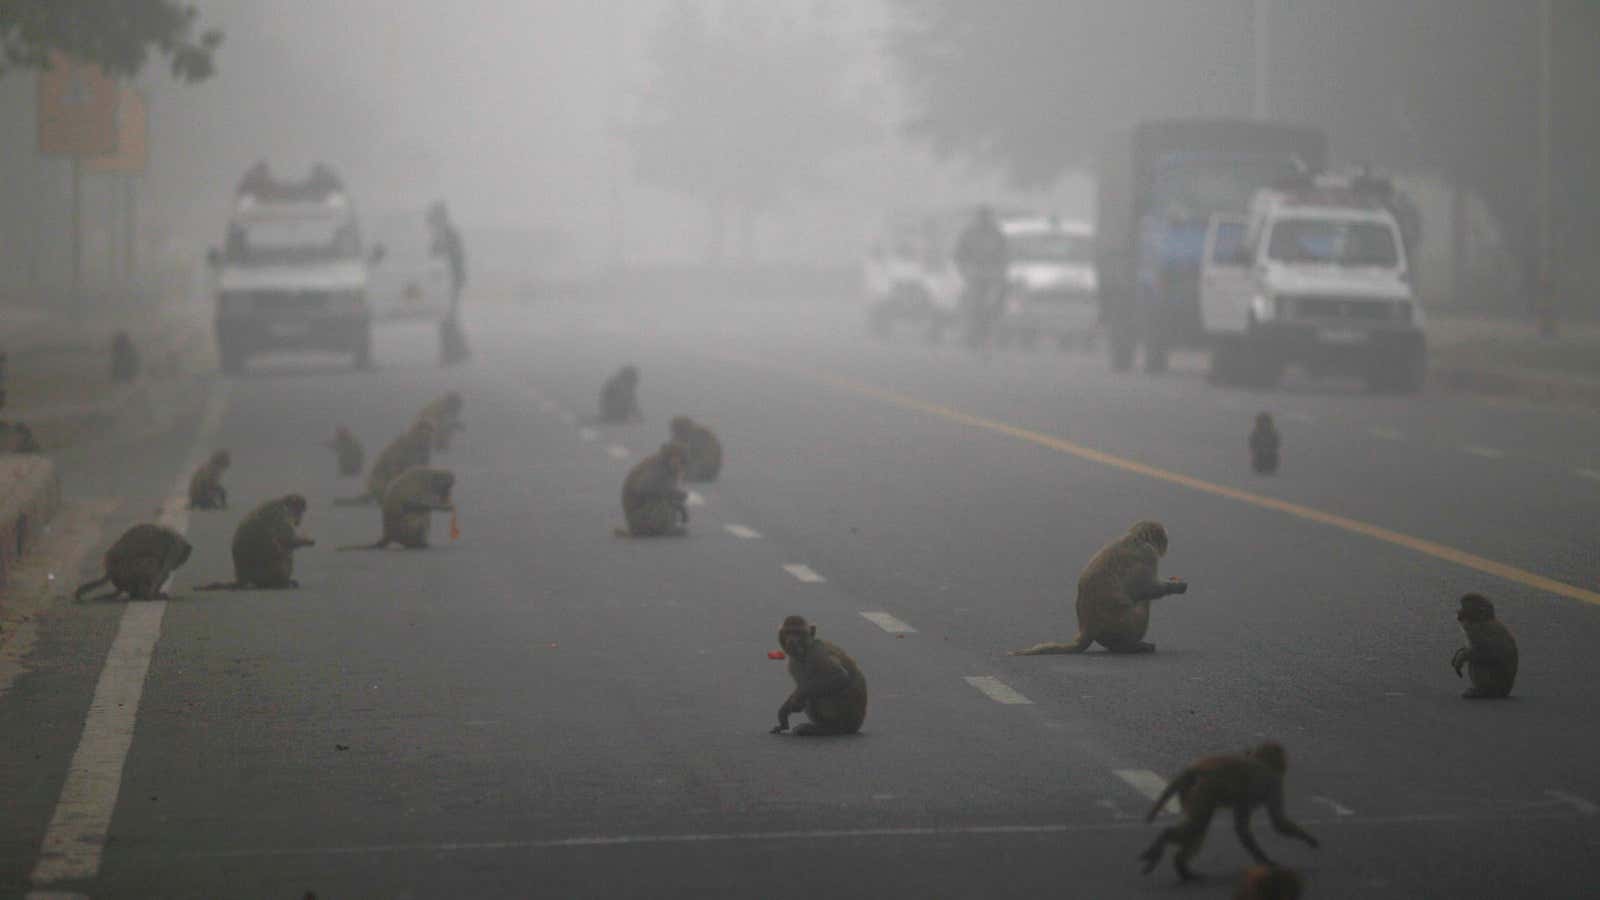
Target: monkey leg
[1131, 647]
[832, 715]
[1241, 827]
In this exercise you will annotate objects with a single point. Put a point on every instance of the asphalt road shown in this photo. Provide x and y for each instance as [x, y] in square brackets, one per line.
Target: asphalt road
[541, 709]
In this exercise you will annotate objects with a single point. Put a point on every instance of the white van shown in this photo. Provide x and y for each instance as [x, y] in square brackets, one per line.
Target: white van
[1052, 288]
[1316, 276]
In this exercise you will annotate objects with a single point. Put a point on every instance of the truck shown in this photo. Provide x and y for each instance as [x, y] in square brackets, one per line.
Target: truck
[293, 273]
[1318, 275]
[1159, 184]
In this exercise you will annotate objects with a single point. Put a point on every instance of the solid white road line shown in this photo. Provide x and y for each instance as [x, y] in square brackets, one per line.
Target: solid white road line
[1147, 783]
[803, 572]
[743, 533]
[888, 623]
[1387, 433]
[1485, 452]
[1338, 809]
[588, 434]
[695, 499]
[76, 836]
[996, 690]
[1584, 807]
[616, 451]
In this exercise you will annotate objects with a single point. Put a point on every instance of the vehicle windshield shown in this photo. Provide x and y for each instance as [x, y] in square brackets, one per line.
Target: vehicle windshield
[1050, 246]
[1332, 242]
[290, 241]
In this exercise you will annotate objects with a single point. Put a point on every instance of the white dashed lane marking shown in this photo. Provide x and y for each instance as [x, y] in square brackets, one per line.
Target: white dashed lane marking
[803, 572]
[1297, 416]
[1584, 807]
[1484, 452]
[997, 690]
[695, 499]
[1591, 474]
[588, 434]
[888, 623]
[743, 533]
[1147, 783]
[616, 451]
[1387, 433]
[1338, 809]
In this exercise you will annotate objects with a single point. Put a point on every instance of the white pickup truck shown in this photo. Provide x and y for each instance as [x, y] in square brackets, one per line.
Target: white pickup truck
[1316, 276]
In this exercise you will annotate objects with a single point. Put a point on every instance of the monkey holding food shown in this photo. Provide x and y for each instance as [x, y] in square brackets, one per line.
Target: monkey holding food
[264, 545]
[1264, 444]
[703, 459]
[140, 562]
[828, 685]
[445, 414]
[1491, 652]
[653, 499]
[1241, 781]
[205, 486]
[349, 451]
[619, 397]
[408, 505]
[414, 448]
[1114, 594]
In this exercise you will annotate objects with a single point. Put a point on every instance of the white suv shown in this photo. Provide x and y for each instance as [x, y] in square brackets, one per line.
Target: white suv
[1317, 276]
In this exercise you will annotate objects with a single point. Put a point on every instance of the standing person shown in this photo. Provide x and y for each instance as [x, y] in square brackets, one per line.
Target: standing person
[982, 257]
[447, 243]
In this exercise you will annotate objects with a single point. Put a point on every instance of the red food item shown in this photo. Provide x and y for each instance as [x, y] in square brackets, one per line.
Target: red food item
[775, 654]
[455, 527]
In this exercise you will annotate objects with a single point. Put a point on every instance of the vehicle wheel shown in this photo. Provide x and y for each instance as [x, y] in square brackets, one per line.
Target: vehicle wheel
[361, 355]
[1259, 366]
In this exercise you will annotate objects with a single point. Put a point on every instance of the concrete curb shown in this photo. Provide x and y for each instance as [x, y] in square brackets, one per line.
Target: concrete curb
[1521, 384]
[30, 494]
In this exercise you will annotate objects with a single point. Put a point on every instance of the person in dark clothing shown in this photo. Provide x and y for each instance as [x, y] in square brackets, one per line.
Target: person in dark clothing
[982, 257]
[447, 243]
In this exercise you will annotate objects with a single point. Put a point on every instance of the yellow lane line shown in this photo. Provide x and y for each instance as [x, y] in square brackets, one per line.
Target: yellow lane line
[1307, 513]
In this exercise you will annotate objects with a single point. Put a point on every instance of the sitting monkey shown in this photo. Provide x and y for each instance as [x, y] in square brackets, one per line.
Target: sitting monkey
[408, 505]
[1264, 443]
[653, 499]
[445, 414]
[205, 486]
[414, 448]
[1114, 594]
[264, 545]
[141, 561]
[1491, 652]
[703, 461]
[619, 397]
[349, 451]
[828, 685]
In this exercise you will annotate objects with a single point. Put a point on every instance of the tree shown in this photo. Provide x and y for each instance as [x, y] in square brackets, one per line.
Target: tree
[117, 35]
[739, 113]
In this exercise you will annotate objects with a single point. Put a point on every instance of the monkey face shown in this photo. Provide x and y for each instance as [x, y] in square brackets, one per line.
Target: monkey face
[795, 636]
[630, 374]
[1272, 755]
[222, 459]
[452, 402]
[443, 482]
[1263, 420]
[1152, 533]
[681, 426]
[296, 505]
[1475, 608]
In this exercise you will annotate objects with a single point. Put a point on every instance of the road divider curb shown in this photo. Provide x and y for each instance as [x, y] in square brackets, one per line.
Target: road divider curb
[32, 494]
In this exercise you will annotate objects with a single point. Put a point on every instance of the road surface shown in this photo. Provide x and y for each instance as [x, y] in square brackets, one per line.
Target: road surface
[542, 709]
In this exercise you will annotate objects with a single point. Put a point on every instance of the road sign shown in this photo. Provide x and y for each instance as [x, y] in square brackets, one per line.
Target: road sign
[132, 152]
[77, 109]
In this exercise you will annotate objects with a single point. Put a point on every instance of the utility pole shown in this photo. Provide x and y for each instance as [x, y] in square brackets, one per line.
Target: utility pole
[614, 126]
[1546, 300]
[1260, 35]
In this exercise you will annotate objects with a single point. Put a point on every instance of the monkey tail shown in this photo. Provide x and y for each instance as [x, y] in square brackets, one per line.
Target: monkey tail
[86, 588]
[1053, 648]
[379, 545]
[1177, 785]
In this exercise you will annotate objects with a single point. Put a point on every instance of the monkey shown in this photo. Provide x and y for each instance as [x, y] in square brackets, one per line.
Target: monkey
[619, 398]
[140, 562]
[653, 500]
[1241, 781]
[1269, 883]
[205, 486]
[414, 448]
[1114, 594]
[124, 358]
[349, 451]
[408, 504]
[264, 545]
[1491, 652]
[16, 437]
[445, 414]
[704, 458]
[828, 685]
[1264, 443]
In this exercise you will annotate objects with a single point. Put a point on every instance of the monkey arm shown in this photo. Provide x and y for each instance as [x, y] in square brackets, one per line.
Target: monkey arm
[1153, 588]
[1281, 822]
[1460, 658]
[827, 678]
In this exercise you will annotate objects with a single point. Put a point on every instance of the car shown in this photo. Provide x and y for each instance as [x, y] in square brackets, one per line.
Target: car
[908, 275]
[1052, 289]
[293, 273]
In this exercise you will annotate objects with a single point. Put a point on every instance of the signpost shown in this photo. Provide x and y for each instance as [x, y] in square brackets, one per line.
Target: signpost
[77, 118]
